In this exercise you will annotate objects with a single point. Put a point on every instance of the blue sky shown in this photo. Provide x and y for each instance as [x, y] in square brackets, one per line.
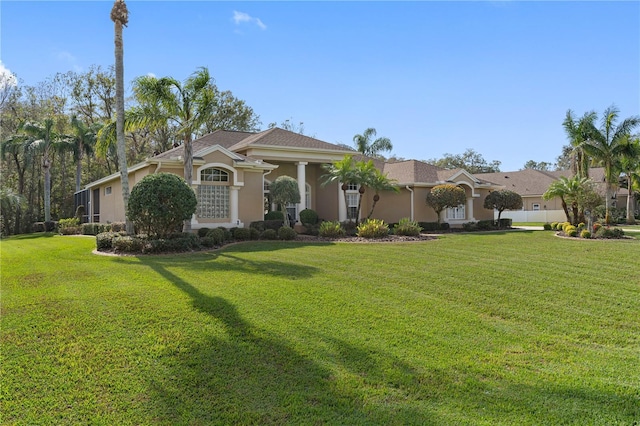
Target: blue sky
[434, 77]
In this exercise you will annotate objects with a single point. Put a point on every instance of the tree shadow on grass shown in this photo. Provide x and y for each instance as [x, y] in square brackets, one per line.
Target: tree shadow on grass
[246, 375]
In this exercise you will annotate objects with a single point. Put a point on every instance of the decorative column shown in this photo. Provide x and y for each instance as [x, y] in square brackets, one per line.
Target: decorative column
[469, 208]
[342, 206]
[233, 204]
[302, 179]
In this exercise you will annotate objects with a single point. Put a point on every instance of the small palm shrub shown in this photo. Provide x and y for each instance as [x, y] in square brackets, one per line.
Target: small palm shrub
[585, 234]
[308, 217]
[330, 229]
[269, 234]
[407, 226]
[373, 228]
[287, 233]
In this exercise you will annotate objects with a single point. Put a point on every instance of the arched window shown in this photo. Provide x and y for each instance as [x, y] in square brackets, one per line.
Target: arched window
[213, 194]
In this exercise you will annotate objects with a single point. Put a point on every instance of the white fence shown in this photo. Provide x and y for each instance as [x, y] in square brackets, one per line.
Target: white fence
[546, 216]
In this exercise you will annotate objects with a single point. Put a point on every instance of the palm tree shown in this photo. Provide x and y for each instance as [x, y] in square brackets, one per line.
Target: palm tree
[366, 146]
[606, 145]
[120, 18]
[83, 141]
[576, 130]
[187, 105]
[570, 191]
[630, 165]
[45, 140]
[343, 172]
[380, 182]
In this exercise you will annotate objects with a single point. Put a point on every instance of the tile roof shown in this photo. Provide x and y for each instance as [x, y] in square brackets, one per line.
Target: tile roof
[224, 138]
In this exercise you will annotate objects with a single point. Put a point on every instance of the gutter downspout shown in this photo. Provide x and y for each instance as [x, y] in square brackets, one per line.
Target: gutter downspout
[263, 176]
[158, 167]
[411, 191]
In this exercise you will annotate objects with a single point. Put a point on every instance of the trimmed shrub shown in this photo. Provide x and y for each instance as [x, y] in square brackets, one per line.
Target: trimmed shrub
[373, 228]
[596, 226]
[257, 225]
[160, 203]
[207, 242]
[609, 233]
[571, 231]
[128, 244]
[97, 228]
[118, 226]
[470, 226]
[274, 215]
[217, 235]
[69, 226]
[242, 234]
[554, 226]
[581, 226]
[227, 235]
[331, 229]
[308, 217]
[269, 234]
[274, 224]
[486, 225]
[202, 232]
[505, 223]
[547, 226]
[104, 240]
[565, 225]
[254, 234]
[585, 234]
[430, 226]
[407, 226]
[286, 233]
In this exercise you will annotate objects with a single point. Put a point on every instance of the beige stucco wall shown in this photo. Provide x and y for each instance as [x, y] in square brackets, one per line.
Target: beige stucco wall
[250, 198]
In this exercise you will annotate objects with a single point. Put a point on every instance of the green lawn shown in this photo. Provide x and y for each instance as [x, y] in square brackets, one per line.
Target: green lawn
[493, 329]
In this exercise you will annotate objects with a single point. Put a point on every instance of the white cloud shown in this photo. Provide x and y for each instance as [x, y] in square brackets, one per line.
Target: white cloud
[150, 74]
[7, 78]
[241, 17]
[69, 58]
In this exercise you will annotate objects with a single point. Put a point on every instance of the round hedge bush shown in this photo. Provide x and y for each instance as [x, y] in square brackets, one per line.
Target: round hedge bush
[159, 203]
[308, 217]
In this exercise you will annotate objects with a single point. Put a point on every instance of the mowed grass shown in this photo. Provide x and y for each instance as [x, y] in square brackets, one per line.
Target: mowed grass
[494, 329]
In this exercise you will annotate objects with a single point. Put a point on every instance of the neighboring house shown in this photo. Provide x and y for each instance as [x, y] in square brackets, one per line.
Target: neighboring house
[233, 170]
[531, 184]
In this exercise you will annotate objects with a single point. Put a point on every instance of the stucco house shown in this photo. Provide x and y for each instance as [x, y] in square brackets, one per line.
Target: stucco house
[232, 172]
[531, 184]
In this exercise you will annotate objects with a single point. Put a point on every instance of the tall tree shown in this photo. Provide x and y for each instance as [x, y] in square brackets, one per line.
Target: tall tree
[83, 141]
[630, 166]
[188, 106]
[606, 145]
[577, 131]
[45, 140]
[470, 160]
[366, 145]
[120, 18]
[534, 165]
